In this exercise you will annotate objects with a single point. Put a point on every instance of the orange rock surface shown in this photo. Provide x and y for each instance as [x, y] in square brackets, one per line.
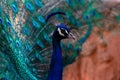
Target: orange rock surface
[99, 59]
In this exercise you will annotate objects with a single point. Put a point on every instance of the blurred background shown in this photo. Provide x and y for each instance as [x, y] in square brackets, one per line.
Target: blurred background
[25, 38]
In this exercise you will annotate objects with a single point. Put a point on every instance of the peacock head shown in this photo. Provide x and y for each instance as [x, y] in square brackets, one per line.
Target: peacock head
[62, 32]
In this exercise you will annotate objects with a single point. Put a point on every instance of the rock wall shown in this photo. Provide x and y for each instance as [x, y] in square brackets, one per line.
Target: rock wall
[99, 59]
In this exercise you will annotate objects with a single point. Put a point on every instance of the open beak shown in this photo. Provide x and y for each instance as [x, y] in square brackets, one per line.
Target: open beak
[71, 36]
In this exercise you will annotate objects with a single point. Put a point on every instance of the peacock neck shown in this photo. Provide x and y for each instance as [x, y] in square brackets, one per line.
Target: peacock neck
[56, 44]
[56, 67]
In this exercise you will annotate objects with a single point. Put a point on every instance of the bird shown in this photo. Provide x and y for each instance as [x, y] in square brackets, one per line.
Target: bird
[31, 32]
[56, 68]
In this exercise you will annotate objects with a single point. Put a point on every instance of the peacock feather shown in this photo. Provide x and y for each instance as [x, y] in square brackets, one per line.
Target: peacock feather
[26, 30]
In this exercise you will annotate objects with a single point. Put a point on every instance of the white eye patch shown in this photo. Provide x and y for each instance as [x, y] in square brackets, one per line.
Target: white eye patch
[60, 32]
[65, 30]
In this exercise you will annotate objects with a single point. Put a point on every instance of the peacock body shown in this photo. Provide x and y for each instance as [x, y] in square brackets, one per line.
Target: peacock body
[26, 26]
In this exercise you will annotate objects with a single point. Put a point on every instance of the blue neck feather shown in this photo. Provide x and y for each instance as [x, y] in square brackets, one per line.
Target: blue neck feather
[56, 66]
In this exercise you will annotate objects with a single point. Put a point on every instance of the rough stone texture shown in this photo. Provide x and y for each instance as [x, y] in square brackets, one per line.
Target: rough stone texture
[99, 59]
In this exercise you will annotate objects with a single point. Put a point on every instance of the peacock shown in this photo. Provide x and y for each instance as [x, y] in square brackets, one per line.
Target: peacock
[33, 36]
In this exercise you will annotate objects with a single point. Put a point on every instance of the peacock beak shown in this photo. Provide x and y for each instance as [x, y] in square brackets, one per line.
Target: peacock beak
[71, 36]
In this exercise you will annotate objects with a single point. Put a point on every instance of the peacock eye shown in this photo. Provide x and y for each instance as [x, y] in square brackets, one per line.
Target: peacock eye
[64, 31]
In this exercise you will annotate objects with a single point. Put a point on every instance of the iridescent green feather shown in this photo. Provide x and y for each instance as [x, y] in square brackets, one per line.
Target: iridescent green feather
[25, 37]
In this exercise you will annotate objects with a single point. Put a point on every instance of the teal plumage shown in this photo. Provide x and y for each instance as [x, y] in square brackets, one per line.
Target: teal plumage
[25, 35]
